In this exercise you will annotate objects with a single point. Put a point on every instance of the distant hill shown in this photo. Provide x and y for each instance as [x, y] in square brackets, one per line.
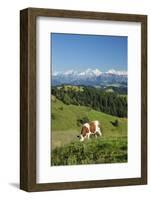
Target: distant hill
[111, 100]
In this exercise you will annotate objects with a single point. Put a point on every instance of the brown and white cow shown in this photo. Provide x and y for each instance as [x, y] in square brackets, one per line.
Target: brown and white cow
[91, 128]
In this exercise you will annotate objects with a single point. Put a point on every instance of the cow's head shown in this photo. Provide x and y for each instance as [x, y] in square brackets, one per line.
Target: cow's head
[83, 134]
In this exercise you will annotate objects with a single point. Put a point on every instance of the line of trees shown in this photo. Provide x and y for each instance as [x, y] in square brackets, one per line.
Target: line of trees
[107, 102]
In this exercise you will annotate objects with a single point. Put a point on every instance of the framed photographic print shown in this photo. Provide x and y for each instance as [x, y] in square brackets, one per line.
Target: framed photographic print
[83, 99]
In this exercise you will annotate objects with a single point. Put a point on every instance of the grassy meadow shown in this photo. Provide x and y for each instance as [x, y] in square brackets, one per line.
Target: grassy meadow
[66, 149]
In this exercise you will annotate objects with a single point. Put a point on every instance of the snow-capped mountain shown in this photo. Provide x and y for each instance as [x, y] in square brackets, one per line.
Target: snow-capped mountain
[91, 77]
[120, 73]
[90, 73]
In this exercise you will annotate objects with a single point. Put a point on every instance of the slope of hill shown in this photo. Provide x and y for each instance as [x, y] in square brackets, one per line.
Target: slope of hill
[68, 150]
[65, 126]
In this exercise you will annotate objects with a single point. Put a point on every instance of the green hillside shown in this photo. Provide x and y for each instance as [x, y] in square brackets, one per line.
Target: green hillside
[65, 127]
[112, 101]
[68, 150]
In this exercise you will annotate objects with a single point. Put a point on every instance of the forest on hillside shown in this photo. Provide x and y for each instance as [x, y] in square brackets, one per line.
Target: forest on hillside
[113, 103]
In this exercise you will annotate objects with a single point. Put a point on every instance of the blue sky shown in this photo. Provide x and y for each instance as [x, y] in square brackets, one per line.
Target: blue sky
[80, 52]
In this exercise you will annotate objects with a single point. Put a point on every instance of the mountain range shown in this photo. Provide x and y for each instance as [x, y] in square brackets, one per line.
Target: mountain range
[90, 77]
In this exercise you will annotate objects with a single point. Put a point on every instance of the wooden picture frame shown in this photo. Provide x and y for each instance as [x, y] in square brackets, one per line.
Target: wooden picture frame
[28, 98]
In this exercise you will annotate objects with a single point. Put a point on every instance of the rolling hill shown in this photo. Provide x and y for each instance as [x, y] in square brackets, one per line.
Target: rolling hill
[65, 127]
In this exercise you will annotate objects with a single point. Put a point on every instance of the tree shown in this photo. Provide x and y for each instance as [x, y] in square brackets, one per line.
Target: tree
[66, 99]
[116, 123]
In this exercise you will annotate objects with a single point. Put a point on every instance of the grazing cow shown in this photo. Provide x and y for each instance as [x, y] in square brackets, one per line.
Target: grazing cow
[91, 128]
